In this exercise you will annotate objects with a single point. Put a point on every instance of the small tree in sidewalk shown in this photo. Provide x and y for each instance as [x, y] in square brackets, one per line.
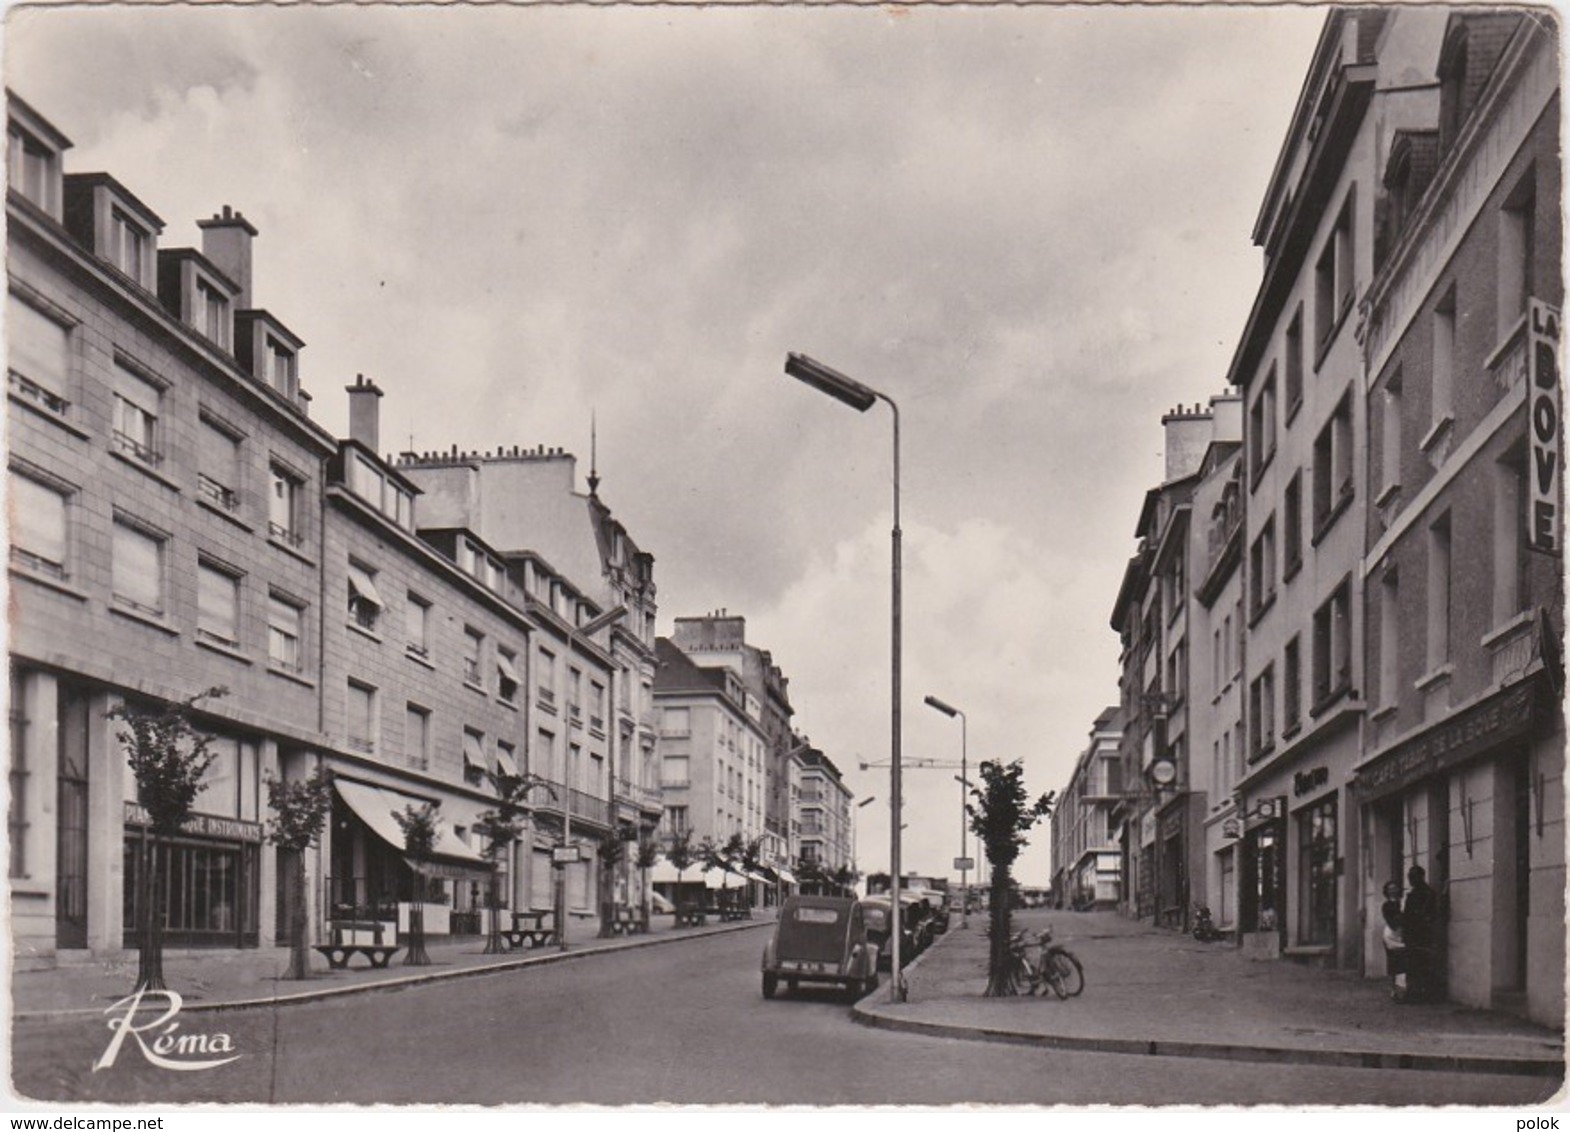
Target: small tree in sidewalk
[681, 854]
[645, 858]
[419, 838]
[300, 810]
[500, 827]
[1001, 815]
[168, 757]
[611, 851]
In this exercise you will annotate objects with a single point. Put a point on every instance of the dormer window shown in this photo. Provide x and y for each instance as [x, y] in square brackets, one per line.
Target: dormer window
[210, 313]
[281, 372]
[130, 245]
[33, 168]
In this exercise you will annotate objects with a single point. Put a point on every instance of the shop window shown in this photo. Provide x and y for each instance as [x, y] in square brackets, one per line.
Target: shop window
[1317, 851]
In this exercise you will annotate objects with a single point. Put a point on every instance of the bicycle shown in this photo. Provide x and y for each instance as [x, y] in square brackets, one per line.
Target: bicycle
[1054, 966]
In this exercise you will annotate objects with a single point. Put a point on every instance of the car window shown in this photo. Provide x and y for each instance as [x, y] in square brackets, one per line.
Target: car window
[817, 915]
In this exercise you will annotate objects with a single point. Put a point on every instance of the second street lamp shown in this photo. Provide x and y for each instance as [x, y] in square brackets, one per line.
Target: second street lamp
[964, 872]
[861, 397]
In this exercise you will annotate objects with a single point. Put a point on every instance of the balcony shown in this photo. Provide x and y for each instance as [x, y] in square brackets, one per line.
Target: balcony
[35, 394]
[1508, 365]
[575, 802]
[216, 493]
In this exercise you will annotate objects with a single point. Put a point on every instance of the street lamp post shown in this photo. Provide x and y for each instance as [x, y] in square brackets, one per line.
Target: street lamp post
[964, 873]
[855, 831]
[576, 633]
[861, 398]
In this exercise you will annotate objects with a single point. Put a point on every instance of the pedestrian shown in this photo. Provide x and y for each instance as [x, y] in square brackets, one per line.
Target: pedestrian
[1419, 921]
[1395, 942]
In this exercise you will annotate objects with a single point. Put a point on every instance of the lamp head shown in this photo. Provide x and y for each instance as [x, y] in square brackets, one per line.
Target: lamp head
[830, 381]
[934, 702]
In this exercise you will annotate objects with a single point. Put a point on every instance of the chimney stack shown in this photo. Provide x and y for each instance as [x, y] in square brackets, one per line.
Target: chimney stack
[365, 412]
[226, 240]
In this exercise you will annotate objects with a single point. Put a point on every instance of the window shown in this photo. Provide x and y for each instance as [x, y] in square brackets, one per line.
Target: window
[545, 679]
[473, 648]
[137, 402]
[211, 313]
[16, 814]
[130, 245]
[416, 622]
[1292, 686]
[285, 625]
[1262, 712]
[1333, 467]
[1262, 426]
[575, 767]
[1333, 647]
[575, 694]
[1510, 582]
[1439, 592]
[1389, 639]
[675, 771]
[31, 167]
[365, 604]
[281, 373]
[284, 490]
[39, 526]
[217, 605]
[1292, 526]
[1333, 279]
[218, 455]
[1517, 235]
[676, 819]
[507, 758]
[545, 753]
[475, 763]
[138, 581]
[1294, 362]
[1443, 368]
[39, 354]
[1262, 569]
[416, 737]
[596, 705]
[507, 679]
[361, 717]
[1317, 870]
[1390, 437]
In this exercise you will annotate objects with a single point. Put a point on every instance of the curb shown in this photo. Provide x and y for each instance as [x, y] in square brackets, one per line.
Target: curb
[302, 997]
[1221, 1051]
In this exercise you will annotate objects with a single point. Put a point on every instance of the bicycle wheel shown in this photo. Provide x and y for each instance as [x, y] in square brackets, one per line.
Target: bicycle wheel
[1068, 972]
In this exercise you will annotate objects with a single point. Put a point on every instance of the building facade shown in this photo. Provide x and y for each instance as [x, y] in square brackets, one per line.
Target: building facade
[1086, 860]
[1462, 770]
[825, 814]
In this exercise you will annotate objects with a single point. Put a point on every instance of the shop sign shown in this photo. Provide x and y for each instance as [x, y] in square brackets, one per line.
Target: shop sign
[1545, 523]
[1307, 781]
[203, 825]
[1171, 824]
[1467, 735]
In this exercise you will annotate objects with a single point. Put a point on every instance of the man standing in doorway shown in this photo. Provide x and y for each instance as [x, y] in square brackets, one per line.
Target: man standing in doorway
[1419, 926]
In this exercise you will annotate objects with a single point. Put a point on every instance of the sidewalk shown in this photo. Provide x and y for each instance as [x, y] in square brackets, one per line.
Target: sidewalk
[1159, 993]
[232, 980]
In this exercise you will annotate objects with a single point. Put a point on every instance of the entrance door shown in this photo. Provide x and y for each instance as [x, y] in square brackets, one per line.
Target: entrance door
[71, 831]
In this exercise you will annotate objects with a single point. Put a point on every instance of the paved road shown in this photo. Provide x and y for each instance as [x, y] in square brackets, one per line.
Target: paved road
[681, 1023]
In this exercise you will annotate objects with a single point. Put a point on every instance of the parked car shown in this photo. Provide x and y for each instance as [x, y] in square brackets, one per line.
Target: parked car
[937, 908]
[914, 936]
[661, 904]
[821, 939]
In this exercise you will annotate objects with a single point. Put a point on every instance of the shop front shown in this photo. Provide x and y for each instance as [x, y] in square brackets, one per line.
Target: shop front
[209, 876]
[1475, 801]
[1262, 878]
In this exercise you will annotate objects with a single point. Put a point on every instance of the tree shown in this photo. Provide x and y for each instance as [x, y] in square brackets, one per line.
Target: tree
[648, 853]
[1001, 815]
[500, 827]
[419, 837]
[300, 811]
[682, 855]
[611, 850]
[169, 757]
[845, 879]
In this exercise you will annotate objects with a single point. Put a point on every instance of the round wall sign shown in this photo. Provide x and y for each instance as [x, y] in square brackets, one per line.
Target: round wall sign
[1163, 772]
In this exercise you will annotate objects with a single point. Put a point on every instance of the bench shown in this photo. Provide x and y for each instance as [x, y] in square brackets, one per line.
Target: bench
[628, 921]
[530, 927]
[339, 954]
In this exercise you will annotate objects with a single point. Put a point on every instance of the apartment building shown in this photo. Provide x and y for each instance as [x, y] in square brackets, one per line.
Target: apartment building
[1462, 769]
[1086, 860]
[825, 814]
[163, 478]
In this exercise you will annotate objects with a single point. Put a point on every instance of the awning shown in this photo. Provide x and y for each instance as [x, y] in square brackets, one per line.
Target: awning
[504, 666]
[787, 876]
[376, 805]
[505, 763]
[473, 753]
[361, 581]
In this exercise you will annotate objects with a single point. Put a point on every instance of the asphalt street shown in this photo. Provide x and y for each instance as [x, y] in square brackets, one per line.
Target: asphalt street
[682, 1023]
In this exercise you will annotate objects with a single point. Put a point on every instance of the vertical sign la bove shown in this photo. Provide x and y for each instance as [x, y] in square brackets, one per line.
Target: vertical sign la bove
[1545, 523]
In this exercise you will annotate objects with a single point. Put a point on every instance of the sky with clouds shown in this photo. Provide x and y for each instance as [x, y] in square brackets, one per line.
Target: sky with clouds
[1027, 225]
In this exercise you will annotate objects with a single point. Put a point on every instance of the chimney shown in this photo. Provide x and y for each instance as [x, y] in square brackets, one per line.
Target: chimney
[226, 240]
[1188, 433]
[365, 412]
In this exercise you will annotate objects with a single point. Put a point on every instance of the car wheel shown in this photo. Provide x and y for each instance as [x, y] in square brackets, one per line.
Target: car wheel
[771, 983]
